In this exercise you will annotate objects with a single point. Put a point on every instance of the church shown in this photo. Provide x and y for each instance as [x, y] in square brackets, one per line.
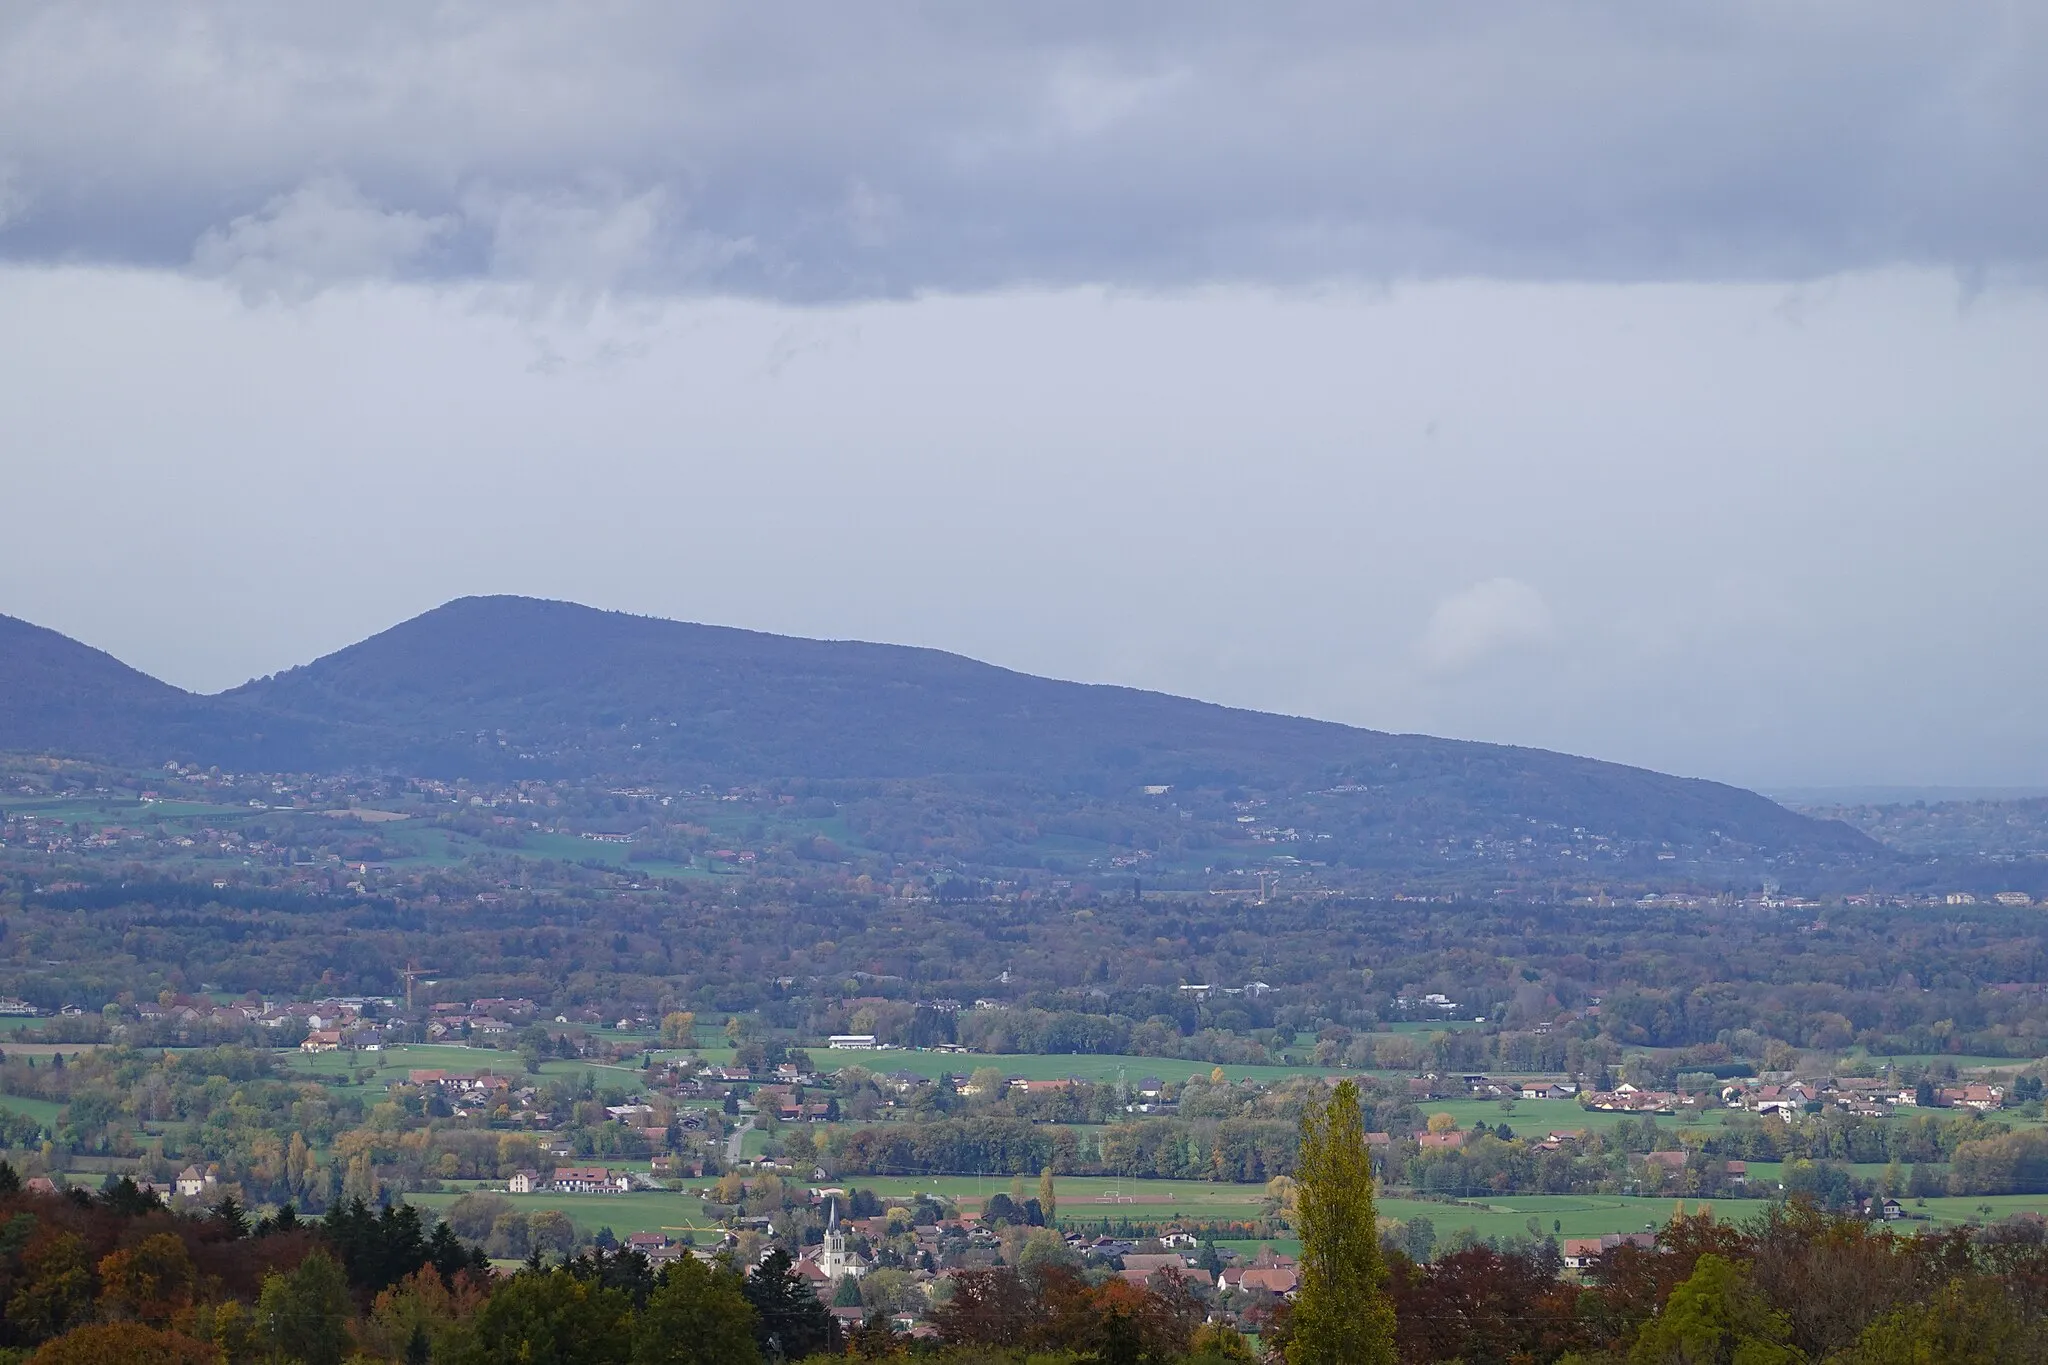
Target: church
[831, 1262]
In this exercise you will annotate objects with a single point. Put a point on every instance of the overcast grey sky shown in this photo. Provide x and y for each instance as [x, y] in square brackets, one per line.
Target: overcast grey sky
[1663, 383]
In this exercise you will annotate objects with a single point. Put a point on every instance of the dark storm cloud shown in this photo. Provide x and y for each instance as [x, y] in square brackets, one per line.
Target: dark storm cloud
[831, 151]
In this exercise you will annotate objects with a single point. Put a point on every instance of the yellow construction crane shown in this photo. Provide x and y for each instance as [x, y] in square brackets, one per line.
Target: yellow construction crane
[413, 971]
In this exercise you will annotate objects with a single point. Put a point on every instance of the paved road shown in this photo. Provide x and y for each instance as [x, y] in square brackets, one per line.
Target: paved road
[739, 1136]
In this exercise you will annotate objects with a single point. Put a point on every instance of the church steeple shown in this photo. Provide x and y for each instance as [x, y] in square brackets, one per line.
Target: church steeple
[833, 1259]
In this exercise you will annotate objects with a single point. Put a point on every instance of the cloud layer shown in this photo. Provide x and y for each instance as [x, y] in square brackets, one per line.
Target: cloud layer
[883, 151]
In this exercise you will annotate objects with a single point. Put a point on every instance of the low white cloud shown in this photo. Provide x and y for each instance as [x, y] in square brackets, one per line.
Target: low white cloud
[1478, 622]
[324, 233]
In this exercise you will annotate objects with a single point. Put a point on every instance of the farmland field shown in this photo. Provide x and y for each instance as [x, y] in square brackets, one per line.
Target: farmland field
[1087, 1198]
[392, 1063]
[651, 1211]
[570, 848]
[1953, 1210]
[1539, 1117]
[1960, 1061]
[42, 1111]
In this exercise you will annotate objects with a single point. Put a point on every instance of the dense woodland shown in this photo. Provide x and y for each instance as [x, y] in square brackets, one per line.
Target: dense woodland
[1095, 973]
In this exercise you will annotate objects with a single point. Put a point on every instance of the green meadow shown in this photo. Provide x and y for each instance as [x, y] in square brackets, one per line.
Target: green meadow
[1538, 1117]
[1085, 1198]
[392, 1063]
[646, 1211]
[42, 1111]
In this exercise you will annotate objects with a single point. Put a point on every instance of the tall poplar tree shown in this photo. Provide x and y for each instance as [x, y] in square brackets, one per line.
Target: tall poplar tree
[1342, 1314]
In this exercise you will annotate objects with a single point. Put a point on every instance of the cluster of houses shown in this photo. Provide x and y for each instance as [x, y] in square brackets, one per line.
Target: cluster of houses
[467, 1093]
[849, 1248]
[333, 1025]
[344, 1012]
[1241, 1281]
[1629, 1099]
[579, 1180]
[357, 1023]
[1433, 1085]
[1781, 1094]
[365, 1023]
[1871, 1096]
[493, 1018]
[786, 1102]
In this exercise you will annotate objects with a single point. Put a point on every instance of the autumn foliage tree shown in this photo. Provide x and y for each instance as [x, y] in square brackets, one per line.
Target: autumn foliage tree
[125, 1343]
[679, 1029]
[148, 1282]
[56, 1285]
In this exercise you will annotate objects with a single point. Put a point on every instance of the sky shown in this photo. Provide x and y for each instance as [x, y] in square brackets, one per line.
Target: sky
[1661, 383]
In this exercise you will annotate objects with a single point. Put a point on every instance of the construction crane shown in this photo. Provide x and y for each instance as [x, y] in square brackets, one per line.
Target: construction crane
[413, 971]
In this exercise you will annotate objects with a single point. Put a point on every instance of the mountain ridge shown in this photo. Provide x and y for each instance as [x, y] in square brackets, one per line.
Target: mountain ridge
[503, 686]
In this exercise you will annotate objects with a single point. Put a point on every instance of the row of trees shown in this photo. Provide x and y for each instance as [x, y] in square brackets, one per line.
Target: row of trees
[1238, 1150]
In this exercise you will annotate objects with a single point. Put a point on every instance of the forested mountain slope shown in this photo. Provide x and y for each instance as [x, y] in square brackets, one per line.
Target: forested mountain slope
[62, 696]
[507, 686]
